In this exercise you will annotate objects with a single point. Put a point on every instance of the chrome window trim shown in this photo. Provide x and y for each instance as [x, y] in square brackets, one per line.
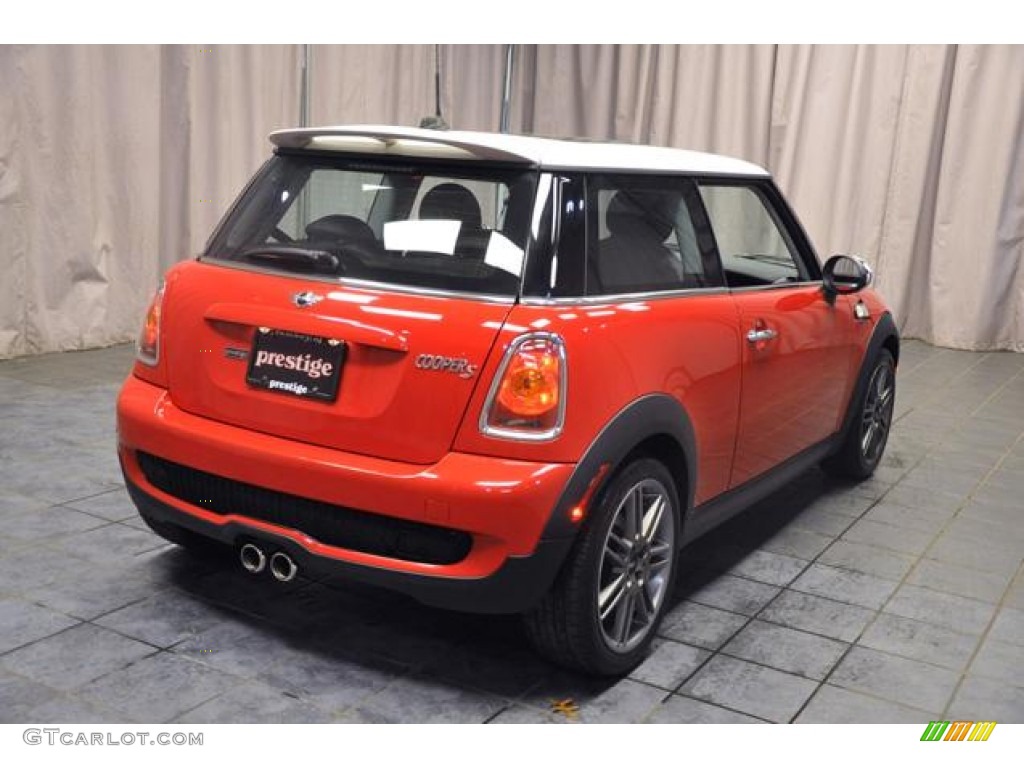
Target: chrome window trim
[775, 286]
[527, 435]
[356, 283]
[619, 298]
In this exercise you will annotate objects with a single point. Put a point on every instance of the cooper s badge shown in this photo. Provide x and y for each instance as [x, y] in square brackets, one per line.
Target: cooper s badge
[457, 365]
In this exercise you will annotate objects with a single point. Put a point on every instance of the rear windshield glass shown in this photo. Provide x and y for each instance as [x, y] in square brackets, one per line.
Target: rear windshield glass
[440, 227]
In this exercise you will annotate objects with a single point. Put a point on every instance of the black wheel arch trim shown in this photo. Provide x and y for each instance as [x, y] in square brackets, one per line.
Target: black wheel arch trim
[645, 418]
[884, 330]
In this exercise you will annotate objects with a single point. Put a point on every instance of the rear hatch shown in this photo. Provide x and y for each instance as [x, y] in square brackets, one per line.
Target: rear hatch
[374, 372]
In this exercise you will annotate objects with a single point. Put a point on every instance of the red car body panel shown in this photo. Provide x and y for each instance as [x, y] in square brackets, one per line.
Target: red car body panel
[687, 348]
[386, 406]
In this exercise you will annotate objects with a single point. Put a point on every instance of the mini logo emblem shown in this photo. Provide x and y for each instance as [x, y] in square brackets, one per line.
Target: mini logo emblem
[306, 299]
[460, 366]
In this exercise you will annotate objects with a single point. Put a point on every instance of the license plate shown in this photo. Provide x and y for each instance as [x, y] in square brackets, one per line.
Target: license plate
[296, 364]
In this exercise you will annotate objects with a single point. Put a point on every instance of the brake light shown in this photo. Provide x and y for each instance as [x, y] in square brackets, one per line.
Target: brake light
[148, 348]
[527, 398]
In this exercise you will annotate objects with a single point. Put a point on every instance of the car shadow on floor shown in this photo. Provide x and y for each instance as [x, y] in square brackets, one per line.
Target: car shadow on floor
[306, 634]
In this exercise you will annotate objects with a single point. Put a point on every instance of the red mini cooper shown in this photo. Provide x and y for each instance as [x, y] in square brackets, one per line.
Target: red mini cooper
[499, 373]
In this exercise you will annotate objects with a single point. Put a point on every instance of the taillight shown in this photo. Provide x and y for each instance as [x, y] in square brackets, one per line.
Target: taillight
[527, 398]
[148, 348]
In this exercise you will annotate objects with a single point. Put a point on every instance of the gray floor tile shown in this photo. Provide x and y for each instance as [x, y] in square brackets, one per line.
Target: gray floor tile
[59, 660]
[625, 702]
[1000, 661]
[1008, 626]
[26, 569]
[158, 688]
[701, 626]
[240, 647]
[48, 523]
[983, 698]
[865, 558]
[819, 615]
[973, 553]
[905, 681]
[845, 586]
[669, 664]
[959, 580]
[71, 709]
[918, 640]
[22, 622]
[164, 619]
[518, 714]
[328, 681]
[922, 519]
[413, 700]
[19, 696]
[787, 649]
[255, 703]
[838, 705]
[731, 593]
[822, 520]
[906, 540]
[841, 504]
[683, 709]
[114, 505]
[924, 498]
[960, 614]
[797, 542]
[769, 567]
[111, 545]
[750, 689]
[95, 591]
[505, 672]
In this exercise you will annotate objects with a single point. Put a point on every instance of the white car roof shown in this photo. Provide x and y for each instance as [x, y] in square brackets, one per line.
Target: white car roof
[560, 154]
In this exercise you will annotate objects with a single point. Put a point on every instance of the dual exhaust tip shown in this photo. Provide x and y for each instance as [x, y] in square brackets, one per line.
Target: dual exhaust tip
[254, 560]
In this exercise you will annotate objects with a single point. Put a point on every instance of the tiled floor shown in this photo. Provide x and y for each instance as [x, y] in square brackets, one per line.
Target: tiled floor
[900, 599]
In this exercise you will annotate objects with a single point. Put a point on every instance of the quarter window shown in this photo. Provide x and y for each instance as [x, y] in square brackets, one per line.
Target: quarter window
[646, 233]
[754, 247]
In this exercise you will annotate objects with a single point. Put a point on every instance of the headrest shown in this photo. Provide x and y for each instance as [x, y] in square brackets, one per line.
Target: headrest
[451, 201]
[339, 226]
[633, 213]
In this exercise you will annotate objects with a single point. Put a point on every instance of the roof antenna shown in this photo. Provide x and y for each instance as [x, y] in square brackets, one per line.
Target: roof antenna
[436, 121]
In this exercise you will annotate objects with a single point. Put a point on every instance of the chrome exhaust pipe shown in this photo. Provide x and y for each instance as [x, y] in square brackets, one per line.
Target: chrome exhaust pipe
[252, 558]
[282, 567]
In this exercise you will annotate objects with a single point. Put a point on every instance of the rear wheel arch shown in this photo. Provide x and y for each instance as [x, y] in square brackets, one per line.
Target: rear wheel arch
[656, 426]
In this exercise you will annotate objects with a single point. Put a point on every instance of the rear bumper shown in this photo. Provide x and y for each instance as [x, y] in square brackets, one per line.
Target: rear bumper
[505, 505]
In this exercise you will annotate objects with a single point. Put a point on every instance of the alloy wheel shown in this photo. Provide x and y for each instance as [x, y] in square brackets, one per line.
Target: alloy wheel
[636, 564]
[878, 407]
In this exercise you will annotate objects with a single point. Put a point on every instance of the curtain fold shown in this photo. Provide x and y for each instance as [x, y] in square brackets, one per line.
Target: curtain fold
[118, 161]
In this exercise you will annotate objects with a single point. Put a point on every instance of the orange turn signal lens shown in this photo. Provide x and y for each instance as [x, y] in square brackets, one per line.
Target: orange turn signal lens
[531, 383]
[148, 350]
[529, 398]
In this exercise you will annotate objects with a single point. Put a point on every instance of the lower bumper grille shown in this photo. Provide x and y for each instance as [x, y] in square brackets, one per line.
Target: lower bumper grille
[327, 523]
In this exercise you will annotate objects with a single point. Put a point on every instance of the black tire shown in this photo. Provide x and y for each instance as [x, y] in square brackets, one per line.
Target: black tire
[197, 545]
[861, 452]
[566, 627]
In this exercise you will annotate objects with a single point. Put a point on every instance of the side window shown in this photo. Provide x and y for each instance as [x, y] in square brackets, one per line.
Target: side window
[754, 246]
[643, 236]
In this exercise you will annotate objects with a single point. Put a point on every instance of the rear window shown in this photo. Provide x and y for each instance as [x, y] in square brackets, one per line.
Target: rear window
[431, 226]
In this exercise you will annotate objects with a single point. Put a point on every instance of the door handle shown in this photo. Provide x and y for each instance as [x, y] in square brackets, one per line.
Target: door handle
[759, 335]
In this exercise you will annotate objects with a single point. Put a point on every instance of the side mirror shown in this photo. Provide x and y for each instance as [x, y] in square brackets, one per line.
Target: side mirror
[845, 274]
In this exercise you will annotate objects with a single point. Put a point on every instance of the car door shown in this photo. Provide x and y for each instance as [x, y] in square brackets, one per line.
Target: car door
[795, 361]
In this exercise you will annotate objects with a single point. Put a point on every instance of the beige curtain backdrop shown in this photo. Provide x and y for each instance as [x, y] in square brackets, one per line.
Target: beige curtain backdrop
[117, 161]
